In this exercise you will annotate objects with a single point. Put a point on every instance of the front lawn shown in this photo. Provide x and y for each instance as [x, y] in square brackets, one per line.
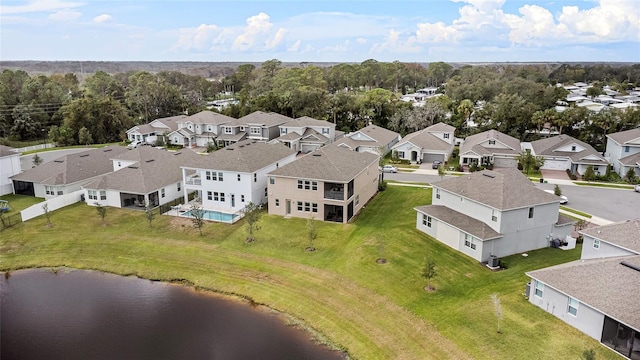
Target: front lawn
[374, 311]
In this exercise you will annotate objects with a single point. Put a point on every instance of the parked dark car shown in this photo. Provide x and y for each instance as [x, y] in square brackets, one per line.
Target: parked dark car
[436, 164]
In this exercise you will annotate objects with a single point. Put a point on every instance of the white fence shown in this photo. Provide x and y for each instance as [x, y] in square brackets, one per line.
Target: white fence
[53, 204]
[34, 147]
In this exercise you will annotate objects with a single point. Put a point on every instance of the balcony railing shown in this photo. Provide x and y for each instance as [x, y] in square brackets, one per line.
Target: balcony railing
[194, 181]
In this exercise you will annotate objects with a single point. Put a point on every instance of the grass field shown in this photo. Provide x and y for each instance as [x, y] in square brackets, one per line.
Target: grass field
[371, 310]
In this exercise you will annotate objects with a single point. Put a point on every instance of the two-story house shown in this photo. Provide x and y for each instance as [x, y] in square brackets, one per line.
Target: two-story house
[597, 294]
[433, 143]
[199, 129]
[66, 174]
[623, 151]
[330, 184]
[564, 152]
[490, 147]
[142, 176]
[228, 179]
[258, 125]
[498, 213]
[9, 166]
[306, 134]
[149, 133]
[372, 138]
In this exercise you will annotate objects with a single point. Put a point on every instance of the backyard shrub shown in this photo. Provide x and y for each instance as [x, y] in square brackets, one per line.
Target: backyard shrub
[382, 186]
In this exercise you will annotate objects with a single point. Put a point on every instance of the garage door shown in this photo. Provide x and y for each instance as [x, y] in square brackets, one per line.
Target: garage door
[504, 162]
[428, 158]
[555, 165]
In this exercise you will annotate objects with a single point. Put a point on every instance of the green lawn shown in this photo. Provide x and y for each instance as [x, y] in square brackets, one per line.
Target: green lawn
[374, 311]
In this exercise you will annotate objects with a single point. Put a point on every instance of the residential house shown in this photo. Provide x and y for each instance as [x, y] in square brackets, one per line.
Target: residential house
[258, 125]
[199, 129]
[330, 184]
[597, 294]
[9, 166]
[499, 213]
[66, 174]
[564, 152]
[433, 143]
[623, 151]
[149, 133]
[142, 176]
[228, 179]
[372, 138]
[306, 134]
[490, 147]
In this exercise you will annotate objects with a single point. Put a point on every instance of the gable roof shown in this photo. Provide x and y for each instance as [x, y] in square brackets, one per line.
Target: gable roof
[440, 127]
[503, 189]
[72, 168]
[548, 146]
[624, 234]
[372, 136]
[463, 222]
[263, 119]
[208, 117]
[472, 143]
[7, 151]
[603, 284]
[171, 123]
[152, 170]
[329, 163]
[628, 137]
[631, 160]
[426, 140]
[245, 156]
[308, 121]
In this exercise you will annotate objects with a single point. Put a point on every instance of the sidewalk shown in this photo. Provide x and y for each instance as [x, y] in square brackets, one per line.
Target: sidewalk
[593, 220]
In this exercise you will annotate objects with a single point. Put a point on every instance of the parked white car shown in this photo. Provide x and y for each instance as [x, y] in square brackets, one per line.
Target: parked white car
[389, 169]
[636, 188]
[563, 199]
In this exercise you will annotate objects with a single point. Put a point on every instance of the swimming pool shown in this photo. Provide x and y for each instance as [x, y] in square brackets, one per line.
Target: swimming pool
[214, 216]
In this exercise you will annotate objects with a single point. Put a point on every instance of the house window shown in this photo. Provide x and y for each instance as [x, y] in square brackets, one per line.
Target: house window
[573, 148]
[209, 195]
[492, 142]
[255, 177]
[468, 241]
[494, 217]
[272, 180]
[325, 131]
[241, 128]
[307, 184]
[437, 193]
[357, 199]
[179, 186]
[283, 131]
[277, 202]
[222, 197]
[93, 195]
[530, 213]
[596, 244]
[265, 192]
[539, 289]
[573, 307]
[238, 177]
[300, 182]
[103, 195]
[162, 192]
[208, 175]
[401, 154]
[626, 149]
[445, 136]
[219, 176]
[307, 206]
[299, 205]
[426, 220]
[256, 131]
[49, 190]
[227, 130]
[241, 198]
[314, 207]
[216, 196]
[314, 185]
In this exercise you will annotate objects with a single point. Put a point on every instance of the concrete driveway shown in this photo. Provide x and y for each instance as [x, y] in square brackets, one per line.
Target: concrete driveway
[554, 174]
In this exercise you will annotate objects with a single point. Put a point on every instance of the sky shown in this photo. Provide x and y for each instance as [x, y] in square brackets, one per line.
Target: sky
[321, 31]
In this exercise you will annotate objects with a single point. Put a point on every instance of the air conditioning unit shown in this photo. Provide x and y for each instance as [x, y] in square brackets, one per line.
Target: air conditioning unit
[493, 261]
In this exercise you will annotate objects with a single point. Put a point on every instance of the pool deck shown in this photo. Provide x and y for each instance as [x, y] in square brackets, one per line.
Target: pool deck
[178, 210]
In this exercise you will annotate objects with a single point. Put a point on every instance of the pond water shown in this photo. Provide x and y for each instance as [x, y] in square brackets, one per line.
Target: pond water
[74, 314]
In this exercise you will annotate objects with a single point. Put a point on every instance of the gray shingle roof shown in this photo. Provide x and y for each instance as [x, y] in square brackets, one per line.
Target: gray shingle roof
[624, 234]
[379, 135]
[72, 168]
[547, 147]
[631, 160]
[501, 189]
[154, 169]
[604, 284]
[245, 156]
[262, 118]
[631, 137]
[426, 140]
[329, 163]
[208, 117]
[308, 121]
[441, 127]
[472, 143]
[461, 221]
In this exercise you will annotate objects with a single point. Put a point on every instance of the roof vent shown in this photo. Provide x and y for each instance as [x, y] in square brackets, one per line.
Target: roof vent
[229, 148]
[133, 167]
[317, 154]
[107, 150]
[630, 266]
[150, 160]
[58, 161]
[489, 175]
[243, 145]
[177, 153]
[84, 155]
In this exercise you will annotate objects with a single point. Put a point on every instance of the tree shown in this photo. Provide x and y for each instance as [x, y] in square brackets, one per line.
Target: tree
[589, 174]
[149, 214]
[197, 216]
[252, 214]
[630, 176]
[429, 272]
[47, 214]
[37, 160]
[528, 161]
[84, 136]
[556, 190]
[441, 171]
[589, 354]
[312, 233]
[102, 211]
[497, 309]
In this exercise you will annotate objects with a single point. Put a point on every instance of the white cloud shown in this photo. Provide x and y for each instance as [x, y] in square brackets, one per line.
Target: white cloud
[257, 27]
[361, 41]
[100, 19]
[276, 39]
[199, 38]
[38, 6]
[65, 15]
[343, 47]
[295, 46]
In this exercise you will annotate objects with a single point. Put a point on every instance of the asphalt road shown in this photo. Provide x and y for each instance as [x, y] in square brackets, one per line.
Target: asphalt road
[607, 203]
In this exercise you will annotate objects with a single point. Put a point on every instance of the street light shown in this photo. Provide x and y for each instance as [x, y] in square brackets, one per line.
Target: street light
[44, 139]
